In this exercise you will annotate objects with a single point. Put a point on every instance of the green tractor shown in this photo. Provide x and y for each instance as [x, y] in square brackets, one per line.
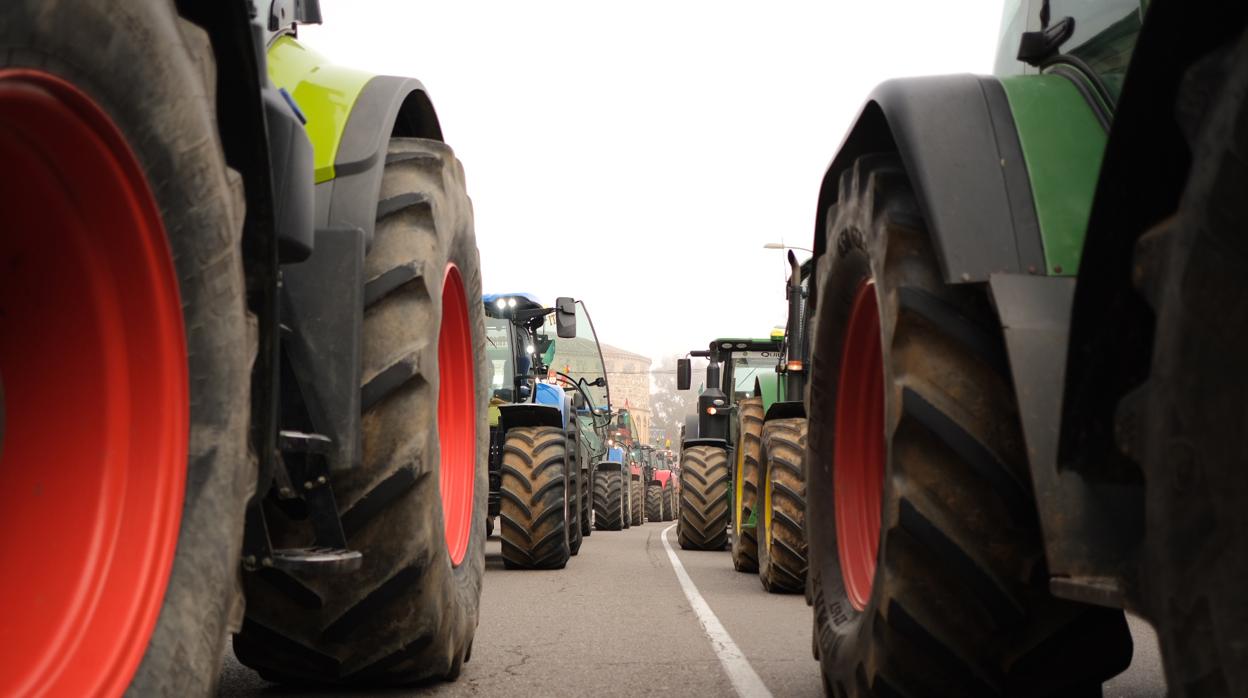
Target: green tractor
[737, 369]
[769, 518]
[251, 401]
[549, 413]
[1026, 376]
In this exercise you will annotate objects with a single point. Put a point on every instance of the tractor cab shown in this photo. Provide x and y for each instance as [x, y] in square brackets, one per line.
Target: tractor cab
[736, 369]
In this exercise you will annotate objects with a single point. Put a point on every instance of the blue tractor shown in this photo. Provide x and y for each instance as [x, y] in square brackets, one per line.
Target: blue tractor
[549, 414]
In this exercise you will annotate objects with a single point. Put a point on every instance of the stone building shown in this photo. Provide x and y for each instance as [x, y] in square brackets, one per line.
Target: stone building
[629, 375]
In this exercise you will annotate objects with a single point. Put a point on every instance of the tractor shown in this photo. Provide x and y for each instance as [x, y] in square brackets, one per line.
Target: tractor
[251, 402]
[1026, 372]
[711, 437]
[546, 425]
[660, 486]
[769, 477]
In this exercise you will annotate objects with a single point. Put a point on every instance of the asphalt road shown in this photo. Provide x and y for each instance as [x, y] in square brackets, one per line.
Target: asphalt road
[617, 623]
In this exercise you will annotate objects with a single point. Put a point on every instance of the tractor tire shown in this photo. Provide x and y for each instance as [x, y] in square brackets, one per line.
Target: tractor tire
[626, 501]
[118, 188]
[782, 549]
[534, 499]
[608, 501]
[704, 480]
[745, 484]
[669, 501]
[636, 503]
[575, 494]
[654, 503]
[1185, 424]
[409, 613]
[915, 439]
[587, 504]
[489, 526]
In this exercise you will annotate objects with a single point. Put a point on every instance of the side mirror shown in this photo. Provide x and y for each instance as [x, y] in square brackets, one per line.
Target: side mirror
[599, 382]
[565, 317]
[683, 374]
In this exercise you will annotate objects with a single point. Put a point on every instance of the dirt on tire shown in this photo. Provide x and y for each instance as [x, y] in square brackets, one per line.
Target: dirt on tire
[654, 503]
[782, 517]
[745, 484]
[408, 614]
[704, 482]
[608, 500]
[955, 607]
[533, 507]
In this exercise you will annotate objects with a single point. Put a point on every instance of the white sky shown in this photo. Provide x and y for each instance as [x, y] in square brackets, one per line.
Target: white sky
[638, 155]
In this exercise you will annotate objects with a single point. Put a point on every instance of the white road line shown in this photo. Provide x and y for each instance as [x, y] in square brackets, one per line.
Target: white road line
[740, 673]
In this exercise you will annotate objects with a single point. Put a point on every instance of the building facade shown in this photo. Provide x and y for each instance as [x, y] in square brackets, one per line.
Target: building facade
[629, 375]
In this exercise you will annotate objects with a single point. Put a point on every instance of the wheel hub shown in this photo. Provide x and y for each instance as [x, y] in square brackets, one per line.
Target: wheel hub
[96, 420]
[859, 453]
[457, 419]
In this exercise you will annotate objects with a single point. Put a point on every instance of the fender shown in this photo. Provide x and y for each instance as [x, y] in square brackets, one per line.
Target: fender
[785, 410]
[351, 115]
[609, 466]
[530, 414]
[991, 170]
[770, 388]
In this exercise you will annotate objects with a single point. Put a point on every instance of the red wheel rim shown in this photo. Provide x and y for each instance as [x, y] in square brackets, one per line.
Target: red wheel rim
[858, 465]
[94, 375]
[457, 417]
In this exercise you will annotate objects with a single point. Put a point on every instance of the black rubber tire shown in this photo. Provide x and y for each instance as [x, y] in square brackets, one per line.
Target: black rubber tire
[534, 501]
[575, 494]
[704, 481]
[153, 73]
[626, 500]
[636, 502]
[407, 614]
[745, 479]
[782, 545]
[587, 504]
[654, 503]
[608, 501]
[959, 604]
[1187, 419]
[669, 501]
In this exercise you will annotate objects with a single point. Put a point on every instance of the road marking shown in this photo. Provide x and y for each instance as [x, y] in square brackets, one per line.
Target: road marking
[740, 673]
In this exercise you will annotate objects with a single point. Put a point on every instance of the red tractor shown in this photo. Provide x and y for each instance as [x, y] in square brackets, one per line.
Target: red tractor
[660, 485]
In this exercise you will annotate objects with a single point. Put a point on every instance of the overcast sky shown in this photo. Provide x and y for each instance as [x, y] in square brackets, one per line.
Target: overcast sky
[638, 155]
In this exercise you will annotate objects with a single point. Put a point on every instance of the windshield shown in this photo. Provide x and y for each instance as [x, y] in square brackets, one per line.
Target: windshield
[580, 358]
[746, 369]
[498, 352]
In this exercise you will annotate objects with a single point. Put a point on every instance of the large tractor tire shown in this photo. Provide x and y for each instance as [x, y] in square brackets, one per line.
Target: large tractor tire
[125, 354]
[636, 502]
[1189, 434]
[782, 511]
[534, 506]
[626, 501]
[669, 501]
[926, 557]
[576, 496]
[587, 504]
[745, 484]
[704, 480]
[608, 500]
[416, 506]
[654, 503]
